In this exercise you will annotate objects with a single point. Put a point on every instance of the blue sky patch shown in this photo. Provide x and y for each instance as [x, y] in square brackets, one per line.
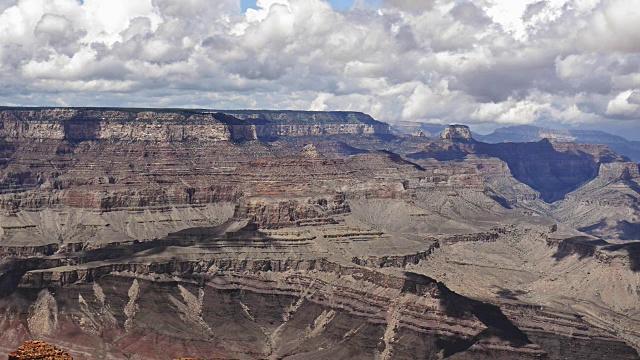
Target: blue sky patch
[337, 4]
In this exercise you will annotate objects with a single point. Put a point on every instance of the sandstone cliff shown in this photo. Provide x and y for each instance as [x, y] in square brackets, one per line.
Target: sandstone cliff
[456, 132]
[275, 234]
[160, 125]
[607, 206]
[274, 124]
[120, 125]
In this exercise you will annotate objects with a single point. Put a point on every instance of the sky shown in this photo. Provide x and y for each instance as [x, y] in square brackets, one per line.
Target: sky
[336, 4]
[486, 63]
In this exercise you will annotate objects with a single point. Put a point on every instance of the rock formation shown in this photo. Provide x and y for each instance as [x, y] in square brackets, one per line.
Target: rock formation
[101, 124]
[553, 169]
[271, 125]
[456, 132]
[527, 133]
[38, 350]
[277, 234]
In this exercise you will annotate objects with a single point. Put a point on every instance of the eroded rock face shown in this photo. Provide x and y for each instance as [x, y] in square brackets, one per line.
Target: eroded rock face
[98, 124]
[320, 239]
[456, 132]
[177, 126]
[553, 169]
[607, 206]
[271, 125]
[274, 213]
[315, 311]
[310, 151]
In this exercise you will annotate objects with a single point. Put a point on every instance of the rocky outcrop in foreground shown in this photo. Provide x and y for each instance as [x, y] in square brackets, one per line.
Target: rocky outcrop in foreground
[39, 350]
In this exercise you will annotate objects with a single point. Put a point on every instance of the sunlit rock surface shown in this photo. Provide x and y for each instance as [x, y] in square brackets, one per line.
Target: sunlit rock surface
[328, 237]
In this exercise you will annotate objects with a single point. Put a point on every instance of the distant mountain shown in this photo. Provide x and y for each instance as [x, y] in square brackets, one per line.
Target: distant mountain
[527, 133]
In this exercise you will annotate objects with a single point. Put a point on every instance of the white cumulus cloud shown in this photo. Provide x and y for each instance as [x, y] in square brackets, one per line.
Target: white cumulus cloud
[478, 62]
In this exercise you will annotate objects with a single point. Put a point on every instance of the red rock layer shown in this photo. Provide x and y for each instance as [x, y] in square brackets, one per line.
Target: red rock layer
[39, 350]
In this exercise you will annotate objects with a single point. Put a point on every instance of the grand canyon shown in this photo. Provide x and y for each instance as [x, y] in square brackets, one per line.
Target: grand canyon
[247, 234]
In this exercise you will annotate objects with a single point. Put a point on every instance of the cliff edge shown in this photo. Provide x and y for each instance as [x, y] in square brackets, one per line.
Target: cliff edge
[179, 125]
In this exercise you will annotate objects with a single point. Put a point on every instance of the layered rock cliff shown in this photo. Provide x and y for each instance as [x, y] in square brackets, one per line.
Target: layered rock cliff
[243, 292]
[456, 132]
[274, 124]
[160, 125]
[275, 234]
[553, 169]
[607, 206]
[120, 125]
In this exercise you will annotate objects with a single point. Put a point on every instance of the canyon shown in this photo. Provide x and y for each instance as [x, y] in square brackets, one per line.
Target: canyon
[251, 234]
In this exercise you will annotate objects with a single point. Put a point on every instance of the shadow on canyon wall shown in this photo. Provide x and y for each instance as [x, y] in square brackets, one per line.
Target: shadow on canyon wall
[585, 247]
[460, 307]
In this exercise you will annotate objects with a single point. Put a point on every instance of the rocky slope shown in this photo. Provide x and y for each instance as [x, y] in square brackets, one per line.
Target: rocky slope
[344, 242]
[241, 292]
[607, 206]
[553, 169]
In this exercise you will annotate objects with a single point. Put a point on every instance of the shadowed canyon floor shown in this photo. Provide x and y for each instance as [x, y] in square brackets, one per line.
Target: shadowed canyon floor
[294, 235]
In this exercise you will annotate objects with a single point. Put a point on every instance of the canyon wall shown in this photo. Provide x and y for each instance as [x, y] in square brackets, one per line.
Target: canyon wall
[95, 124]
[78, 124]
[273, 124]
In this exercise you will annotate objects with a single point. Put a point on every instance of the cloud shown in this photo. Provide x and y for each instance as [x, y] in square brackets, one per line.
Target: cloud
[410, 5]
[319, 103]
[626, 105]
[533, 9]
[511, 112]
[481, 62]
[470, 14]
[614, 25]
